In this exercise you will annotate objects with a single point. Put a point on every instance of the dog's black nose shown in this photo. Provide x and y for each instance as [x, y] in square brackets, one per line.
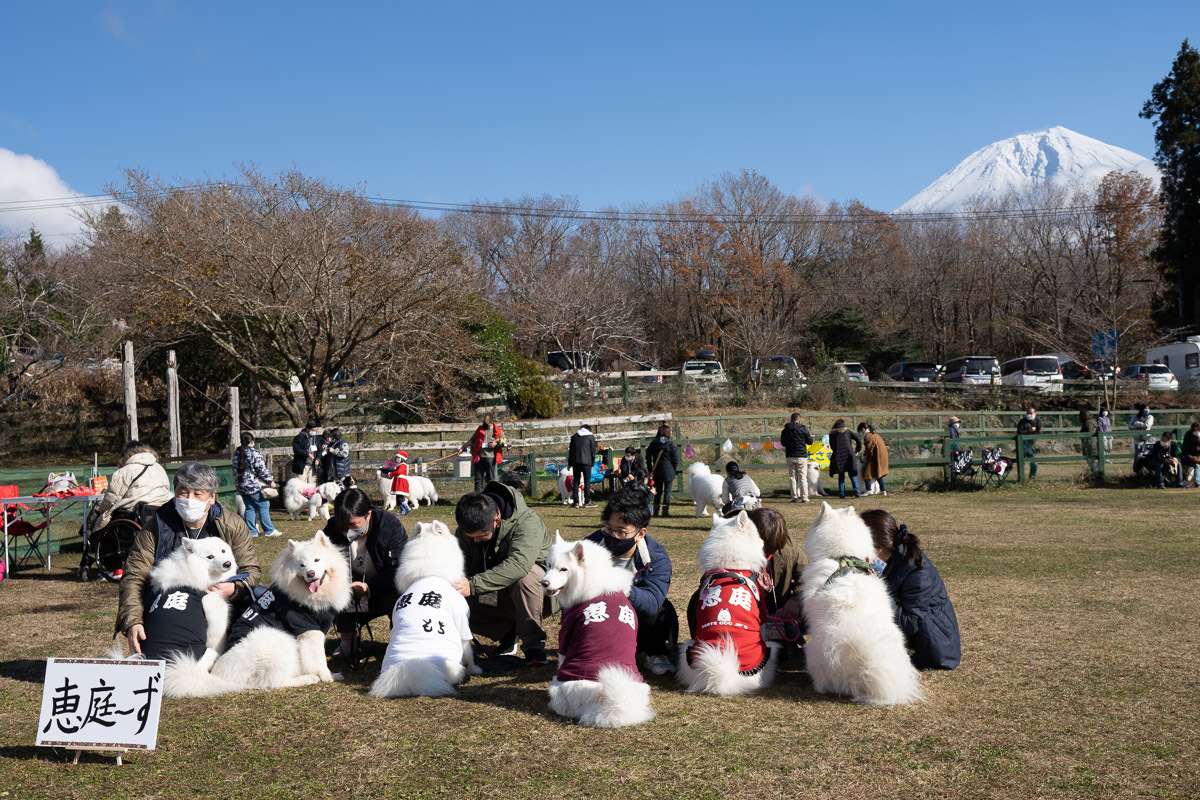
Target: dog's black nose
[228, 564]
[311, 573]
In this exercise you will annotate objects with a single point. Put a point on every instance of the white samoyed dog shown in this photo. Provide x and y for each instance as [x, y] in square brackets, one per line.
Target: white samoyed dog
[730, 654]
[815, 486]
[183, 617]
[279, 640]
[430, 649]
[855, 647]
[597, 681]
[575, 495]
[705, 488]
[420, 488]
[298, 495]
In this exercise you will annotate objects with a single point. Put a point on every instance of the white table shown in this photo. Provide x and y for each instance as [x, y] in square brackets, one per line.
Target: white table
[47, 505]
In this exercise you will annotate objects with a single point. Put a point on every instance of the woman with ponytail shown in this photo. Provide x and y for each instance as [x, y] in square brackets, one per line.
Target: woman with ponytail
[923, 608]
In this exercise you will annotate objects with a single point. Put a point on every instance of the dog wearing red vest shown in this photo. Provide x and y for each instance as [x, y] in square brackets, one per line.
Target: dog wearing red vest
[597, 681]
[730, 655]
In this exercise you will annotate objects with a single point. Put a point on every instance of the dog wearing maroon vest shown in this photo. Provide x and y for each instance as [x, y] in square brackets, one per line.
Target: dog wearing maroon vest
[597, 682]
[730, 654]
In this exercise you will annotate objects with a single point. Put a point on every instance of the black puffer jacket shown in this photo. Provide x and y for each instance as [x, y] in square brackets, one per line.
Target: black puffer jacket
[924, 613]
[795, 439]
[386, 538]
[844, 445]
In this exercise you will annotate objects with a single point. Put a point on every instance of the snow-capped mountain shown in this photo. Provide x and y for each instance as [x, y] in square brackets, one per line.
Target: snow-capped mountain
[1018, 164]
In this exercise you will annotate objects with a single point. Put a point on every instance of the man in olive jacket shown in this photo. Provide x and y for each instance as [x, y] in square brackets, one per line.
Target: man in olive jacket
[196, 487]
[504, 545]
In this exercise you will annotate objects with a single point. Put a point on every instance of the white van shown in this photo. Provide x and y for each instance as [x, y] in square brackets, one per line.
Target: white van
[1182, 358]
[1042, 372]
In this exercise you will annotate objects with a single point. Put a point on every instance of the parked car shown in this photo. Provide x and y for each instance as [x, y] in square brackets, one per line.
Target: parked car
[778, 371]
[648, 366]
[971, 369]
[853, 371]
[1041, 372]
[1102, 370]
[913, 371]
[1157, 377]
[1182, 358]
[704, 371]
[568, 360]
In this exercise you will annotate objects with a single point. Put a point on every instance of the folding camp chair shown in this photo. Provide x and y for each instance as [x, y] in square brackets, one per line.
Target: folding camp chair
[962, 468]
[996, 468]
[15, 526]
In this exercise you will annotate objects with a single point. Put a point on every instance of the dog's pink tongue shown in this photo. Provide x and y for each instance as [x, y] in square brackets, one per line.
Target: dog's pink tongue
[312, 587]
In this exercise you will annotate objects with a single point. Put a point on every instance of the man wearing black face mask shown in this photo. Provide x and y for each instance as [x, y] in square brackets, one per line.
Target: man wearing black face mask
[624, 535]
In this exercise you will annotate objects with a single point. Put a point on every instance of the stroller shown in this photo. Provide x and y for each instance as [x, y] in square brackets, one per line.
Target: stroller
[995, 466]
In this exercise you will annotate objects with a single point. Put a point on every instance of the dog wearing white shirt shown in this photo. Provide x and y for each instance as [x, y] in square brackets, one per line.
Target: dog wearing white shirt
[430, 649]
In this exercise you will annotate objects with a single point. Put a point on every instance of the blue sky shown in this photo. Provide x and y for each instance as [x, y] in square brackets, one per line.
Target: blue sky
[614, 103]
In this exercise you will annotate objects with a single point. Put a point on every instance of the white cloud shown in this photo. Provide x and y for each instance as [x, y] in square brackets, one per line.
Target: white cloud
[23, 179]
[115, 26]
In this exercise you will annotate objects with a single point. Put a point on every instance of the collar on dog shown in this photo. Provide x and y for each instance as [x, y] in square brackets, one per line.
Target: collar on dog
[848, 566]
[750, 582]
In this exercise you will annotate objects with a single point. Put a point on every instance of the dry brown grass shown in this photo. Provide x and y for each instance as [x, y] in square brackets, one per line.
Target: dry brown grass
[1078, 680]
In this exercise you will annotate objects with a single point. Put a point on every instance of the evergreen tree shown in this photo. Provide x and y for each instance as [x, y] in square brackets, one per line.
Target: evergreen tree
[1175, 103]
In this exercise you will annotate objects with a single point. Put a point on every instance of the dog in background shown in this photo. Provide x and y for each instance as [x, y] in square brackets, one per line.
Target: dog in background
[430, 649]
[730, 654]
[298, 495]
[597, 681]
[705, 488]
[855, 647]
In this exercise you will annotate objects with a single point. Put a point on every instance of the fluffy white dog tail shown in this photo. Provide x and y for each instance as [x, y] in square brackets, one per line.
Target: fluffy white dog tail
[623, 701]
[188, 677]
[715, 669]
[418, 678]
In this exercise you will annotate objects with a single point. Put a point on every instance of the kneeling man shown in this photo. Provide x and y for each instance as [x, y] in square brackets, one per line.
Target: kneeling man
[624, 535]
[505, 546]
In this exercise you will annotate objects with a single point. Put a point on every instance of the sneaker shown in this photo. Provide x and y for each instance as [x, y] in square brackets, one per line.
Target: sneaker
[507, 645]
[590, 504]
[885, 494]
[273, 533]
[795, 500]
[536, 658]
[666, 514]
[805, 500]
[659, 665]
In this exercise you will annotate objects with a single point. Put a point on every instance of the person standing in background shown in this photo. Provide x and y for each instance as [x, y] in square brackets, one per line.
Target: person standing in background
[795, 439]
[663, 459]
[486, 447]
[304, 452]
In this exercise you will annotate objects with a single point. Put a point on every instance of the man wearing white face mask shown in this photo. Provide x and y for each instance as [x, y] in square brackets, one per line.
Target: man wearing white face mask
[1030, 425]
[194, 513]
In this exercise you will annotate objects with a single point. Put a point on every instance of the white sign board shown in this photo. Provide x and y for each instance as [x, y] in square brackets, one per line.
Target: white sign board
[100, 704]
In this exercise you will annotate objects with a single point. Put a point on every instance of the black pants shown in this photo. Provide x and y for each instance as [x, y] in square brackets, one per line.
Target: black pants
[663, 498]
[659, 635]
[375, 605]
[484, 471]
[583, 477]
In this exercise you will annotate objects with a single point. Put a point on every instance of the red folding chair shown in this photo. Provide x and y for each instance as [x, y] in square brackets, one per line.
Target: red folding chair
[17, 527]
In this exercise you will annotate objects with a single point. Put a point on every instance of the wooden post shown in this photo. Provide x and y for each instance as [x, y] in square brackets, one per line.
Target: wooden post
[175, 446]
[128, 379]
[235, 420]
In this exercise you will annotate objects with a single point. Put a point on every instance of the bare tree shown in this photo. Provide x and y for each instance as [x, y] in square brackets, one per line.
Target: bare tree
[288, 276]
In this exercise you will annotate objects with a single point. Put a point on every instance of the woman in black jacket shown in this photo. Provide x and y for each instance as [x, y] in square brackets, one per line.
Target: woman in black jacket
[374, 540]
[843, 459]
[923, 608]
[663, 459]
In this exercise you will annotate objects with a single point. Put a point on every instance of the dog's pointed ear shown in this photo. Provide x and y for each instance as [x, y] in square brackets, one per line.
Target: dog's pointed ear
[417, 530]
[849, 511]
[321, 539]
[292, 545]
[717, 519]
[743, 520]
[188, 544]
[825, 509]
[577, 552]
[558, 539]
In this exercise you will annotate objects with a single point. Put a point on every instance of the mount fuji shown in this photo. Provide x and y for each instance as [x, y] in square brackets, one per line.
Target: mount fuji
[1057, 156]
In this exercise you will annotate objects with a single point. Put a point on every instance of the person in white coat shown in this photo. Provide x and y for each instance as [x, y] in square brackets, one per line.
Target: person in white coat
[139, 479]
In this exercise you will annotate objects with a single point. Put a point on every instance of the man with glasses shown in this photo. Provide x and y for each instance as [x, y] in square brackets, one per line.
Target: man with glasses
[626, 517]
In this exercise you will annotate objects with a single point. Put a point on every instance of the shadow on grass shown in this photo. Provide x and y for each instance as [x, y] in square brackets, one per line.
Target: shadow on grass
[23, 669]
[525, 691]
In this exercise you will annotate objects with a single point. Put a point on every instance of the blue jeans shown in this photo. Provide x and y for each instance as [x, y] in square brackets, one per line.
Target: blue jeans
[842, 484]
[257, 508]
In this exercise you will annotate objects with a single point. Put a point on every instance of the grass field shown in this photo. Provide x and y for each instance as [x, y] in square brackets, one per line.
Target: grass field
[1077, 609]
